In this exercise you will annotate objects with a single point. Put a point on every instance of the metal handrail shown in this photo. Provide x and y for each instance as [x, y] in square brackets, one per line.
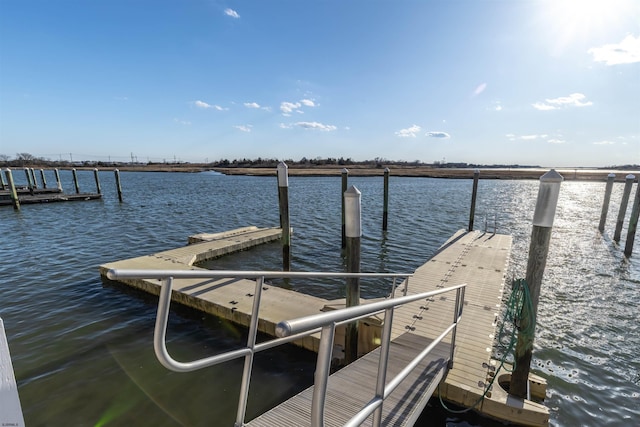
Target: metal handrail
[329, 321]
[167, 277]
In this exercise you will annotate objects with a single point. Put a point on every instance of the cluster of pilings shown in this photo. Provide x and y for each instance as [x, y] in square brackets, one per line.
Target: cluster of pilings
[38, 192]
[635, 210]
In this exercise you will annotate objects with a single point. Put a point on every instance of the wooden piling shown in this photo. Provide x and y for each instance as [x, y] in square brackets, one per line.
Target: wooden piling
[539, 247]
[345, 175]
[33, 178]
[353, 233]
[283, 199]
[29, 182]
[43, 179]
[474, 193]
[95, 175]
[385, 207]
[605, 205]
[2, 181]
[58, 182]
[623, 206]
[75, 180]
[633, 223]
[118, 187]
[12, 189]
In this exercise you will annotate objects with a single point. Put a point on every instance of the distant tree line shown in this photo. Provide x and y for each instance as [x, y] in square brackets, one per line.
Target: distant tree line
[22, 160]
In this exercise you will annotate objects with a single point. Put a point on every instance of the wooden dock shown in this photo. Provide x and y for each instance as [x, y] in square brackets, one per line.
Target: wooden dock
[477, 259]
[481, 261]
[212, 296]
[44, 195]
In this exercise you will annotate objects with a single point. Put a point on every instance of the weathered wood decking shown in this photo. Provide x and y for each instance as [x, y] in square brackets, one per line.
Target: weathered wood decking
[44, 195]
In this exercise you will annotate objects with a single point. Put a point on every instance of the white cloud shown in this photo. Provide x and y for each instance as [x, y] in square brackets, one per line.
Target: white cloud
[285, 126]
[201, 104]
[308, 102]
[252, 105]
[625, 52]
[288, 107]
[573, 100]
[232, 13]
[219, 108]
[438, 135]
[316, 126]
[529, 137]
[244, 128]
[556, 141]
[182, 122]
[604, 142]
[408, 132]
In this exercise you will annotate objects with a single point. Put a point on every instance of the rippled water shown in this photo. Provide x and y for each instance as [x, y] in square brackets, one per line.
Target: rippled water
[82, 350]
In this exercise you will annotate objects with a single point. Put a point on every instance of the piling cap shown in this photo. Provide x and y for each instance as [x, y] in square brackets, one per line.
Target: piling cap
[345, 170]
[476, 171]
[630, 177]
[283, 176]
[611, 175]
[552, 176]
[386, 170]
[352, 212]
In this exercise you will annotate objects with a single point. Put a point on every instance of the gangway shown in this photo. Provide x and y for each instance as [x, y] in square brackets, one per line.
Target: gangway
[388, 386]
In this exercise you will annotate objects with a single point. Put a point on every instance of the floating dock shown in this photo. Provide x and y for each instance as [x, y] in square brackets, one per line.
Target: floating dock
[478, 259]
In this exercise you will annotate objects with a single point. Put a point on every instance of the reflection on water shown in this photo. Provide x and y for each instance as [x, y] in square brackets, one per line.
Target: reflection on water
[82, 350]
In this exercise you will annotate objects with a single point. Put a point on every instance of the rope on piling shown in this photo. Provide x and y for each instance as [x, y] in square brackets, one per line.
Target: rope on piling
[506, 340]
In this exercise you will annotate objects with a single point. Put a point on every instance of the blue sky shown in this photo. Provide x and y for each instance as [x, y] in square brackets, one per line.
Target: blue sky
[549, 83]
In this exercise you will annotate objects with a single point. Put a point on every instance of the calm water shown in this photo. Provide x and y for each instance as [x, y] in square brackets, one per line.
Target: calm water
[82, 350]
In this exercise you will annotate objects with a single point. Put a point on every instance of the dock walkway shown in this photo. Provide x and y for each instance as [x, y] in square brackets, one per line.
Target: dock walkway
[480, 261]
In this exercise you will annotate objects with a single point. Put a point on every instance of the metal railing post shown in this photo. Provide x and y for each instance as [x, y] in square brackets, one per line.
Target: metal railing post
[456, 316]
[248, 359]
[382, 363]
[162, 318]
[321, 377]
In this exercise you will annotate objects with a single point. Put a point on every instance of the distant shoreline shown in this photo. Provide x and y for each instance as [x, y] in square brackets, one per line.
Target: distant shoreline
[573, 174]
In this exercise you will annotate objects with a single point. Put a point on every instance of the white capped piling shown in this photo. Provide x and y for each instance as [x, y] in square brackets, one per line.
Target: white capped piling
[628, 183]
[474, 193]
[283, 199]
[2, 181]
[633, 223]
[118, 187]
[385, 207]
[33, 178]
[95, 175]
[43, 179]
[538, 249]
[353, 233]
[58, 182]
[607, 197]
[75, 180]
[345, 175]
[12, 189]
